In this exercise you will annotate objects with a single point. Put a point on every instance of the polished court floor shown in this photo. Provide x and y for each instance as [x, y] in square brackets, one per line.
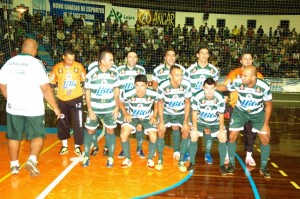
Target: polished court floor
[97, 181]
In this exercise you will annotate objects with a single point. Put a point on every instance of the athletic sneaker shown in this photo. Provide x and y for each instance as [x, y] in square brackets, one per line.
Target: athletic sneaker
[176, 155]
[265, 172]
[95, 151]
[208, 159]
[77, 151]
[150, 164]
[86, 161]
[186, 157]
[126, 163]
[63, 150]
[230, 169]
[140, 153]
[105, 151]
[250, 161]
[121, 155]
[15, 169]
[159, 165]
[223, 170]
[110, 162]
[191, 167]
[31, 167]
[181, 166]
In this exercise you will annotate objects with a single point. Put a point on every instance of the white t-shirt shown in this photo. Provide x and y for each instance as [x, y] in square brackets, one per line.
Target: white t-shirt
[23, 75]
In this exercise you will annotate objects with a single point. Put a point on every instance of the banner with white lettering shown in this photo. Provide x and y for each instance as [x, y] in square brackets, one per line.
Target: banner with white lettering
[90, 11]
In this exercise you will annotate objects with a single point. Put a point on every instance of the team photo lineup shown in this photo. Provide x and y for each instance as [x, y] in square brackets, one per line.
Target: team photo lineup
[189, 103]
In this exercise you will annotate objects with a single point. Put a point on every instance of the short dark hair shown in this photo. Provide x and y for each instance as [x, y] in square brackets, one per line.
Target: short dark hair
[69, 51]
[174, 67]
[246, 52]
[209, 81]
[131, 51]
[170, 49]
[141, 78]
[202, 47]
[102, 52]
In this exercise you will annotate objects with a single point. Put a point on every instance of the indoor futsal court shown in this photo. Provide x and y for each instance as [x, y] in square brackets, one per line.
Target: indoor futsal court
[64, 176]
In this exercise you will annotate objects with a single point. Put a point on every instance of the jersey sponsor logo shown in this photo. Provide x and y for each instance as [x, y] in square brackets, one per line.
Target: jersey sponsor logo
[69, 84]
[128, 86]
[207, 115]
[103, 90]
[246, 103]
[76, 70]
[174, 104]
[198, 85]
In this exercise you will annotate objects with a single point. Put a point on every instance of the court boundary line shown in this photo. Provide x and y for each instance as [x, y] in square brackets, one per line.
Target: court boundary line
[168, 188]
[248, 175]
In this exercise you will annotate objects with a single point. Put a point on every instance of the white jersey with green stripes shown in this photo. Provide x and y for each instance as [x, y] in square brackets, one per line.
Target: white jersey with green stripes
[127, 76]
[162, 72]
[95, 64]
[196, 75]
[251, 99]
[174, 98]
[140, 107]
[102, 89]
[208, 109]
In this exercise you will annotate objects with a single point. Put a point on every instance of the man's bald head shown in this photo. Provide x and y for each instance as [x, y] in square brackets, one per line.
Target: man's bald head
[251, 70]
[30, 46]
[249, 76]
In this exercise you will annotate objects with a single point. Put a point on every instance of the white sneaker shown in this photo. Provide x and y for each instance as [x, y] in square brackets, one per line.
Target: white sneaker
[250, 161]
[150, 164]
[176, 155]
[126, 163]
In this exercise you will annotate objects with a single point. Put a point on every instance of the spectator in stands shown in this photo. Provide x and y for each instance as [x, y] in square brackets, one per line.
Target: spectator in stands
[48, 21]
[260, 33]
[68, 21]
[212, 34]
[235, 33]
[277, 34]
[226, 33]
[193, 33]
[14, 16]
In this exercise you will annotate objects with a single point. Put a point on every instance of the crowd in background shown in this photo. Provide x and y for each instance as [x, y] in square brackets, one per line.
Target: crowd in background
[276, 51]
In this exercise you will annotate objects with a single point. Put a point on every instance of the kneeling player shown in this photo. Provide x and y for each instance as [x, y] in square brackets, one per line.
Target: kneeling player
[208, 115]
[140, 101]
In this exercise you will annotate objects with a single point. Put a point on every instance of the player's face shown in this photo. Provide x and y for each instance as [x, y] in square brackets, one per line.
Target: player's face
[170, 58]
[68, 59]
[209, 91]
[140, 88]
[107, 61]
[246, 60]
[176, 76]
[203, 55]
[247, 77]
[132, 59]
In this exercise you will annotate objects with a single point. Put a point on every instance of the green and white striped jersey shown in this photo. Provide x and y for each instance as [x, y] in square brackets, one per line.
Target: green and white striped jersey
[252, 99]
[174, 98]
[162, 72]
[140, 107]
[127, 76]
[197, 75]
[102, 89]
[208, 109]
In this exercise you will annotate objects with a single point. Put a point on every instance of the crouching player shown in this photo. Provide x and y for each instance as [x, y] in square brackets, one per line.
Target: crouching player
[140, 101]
[208, 108]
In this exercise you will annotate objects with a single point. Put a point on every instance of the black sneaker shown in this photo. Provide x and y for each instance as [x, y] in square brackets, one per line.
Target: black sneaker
[265, 172]
[95, 151]
[78, 151]
[105, 151]
[191, 167]
[230, 169]
[63, 150]
[223, 170]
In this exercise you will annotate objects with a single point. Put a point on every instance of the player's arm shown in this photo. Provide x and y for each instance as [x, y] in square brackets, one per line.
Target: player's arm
[161, 125]
[91, 113]
[115, 113]
[49, 97]
[153, 118]
[155, 85]
[187, 108]
[268, 112]
[3, 89]
[194, 120]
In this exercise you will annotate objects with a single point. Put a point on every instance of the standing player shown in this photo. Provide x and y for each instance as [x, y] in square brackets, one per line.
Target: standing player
[140, 101]
[173, 109]
[127, 74]
[249, 136]
[24, 83]
[69, 75]
[254, 104]
[196, 74]
[161, 73]
[102, 92]
[208, 114]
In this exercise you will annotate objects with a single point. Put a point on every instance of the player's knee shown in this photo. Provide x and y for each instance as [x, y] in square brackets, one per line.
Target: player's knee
[264, 140]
